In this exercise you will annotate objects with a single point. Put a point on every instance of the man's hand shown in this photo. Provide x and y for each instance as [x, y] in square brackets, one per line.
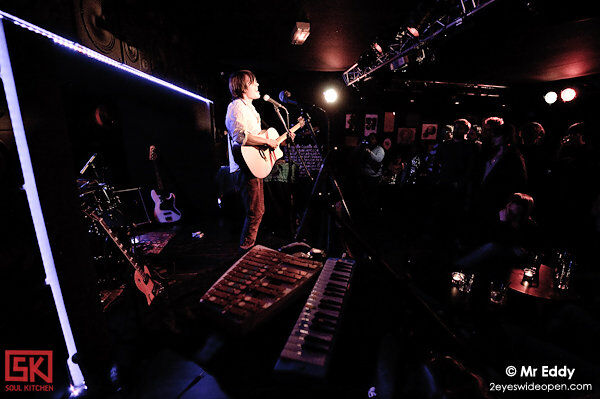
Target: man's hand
[292, 136]
[272, 143]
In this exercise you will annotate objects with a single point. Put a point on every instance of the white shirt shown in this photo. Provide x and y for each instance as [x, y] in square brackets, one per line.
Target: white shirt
[240, 121]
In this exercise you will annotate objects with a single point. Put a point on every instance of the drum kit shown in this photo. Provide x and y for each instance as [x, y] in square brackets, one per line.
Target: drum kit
[111, 230]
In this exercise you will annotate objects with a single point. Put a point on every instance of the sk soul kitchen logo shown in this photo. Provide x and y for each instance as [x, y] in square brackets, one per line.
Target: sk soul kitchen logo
[27, 371]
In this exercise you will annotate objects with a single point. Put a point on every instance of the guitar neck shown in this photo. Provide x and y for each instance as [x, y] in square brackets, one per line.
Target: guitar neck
[159, 182]
[284, 136]
[118, 243]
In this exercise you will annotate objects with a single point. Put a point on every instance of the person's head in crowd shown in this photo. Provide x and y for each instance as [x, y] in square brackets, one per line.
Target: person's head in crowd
[574, 141]
[490, 127]
[396, 165]
[518, 210]
[576, 135]
[474, 134]
[503, 136]
[532, 134]
[461, 129]
[373, 140]
[445, 133]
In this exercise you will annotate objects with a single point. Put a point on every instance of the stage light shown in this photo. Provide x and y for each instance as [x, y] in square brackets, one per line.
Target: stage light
[330, 95]
[377, 48]
[300, 33]
[413, 31]
[568, 94]
[551, 97]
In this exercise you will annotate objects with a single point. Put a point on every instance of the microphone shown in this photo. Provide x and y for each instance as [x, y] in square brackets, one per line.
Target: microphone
[82, 171]
[268, 98]
[285, 97]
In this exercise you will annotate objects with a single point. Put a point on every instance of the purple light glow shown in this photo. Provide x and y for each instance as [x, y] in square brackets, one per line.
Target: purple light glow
[35, 207]
[97, 56]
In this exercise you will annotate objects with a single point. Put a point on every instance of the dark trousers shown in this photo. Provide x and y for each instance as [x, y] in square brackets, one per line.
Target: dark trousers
[253, 198]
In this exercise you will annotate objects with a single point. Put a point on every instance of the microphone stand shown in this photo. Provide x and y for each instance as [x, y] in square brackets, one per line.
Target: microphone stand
[315, 192]
[291, 214]
[292, 141]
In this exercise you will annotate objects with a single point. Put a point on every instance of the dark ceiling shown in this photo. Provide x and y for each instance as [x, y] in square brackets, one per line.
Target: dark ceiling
[510, 41]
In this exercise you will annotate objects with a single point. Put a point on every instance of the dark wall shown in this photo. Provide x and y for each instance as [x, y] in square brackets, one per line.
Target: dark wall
[59, 92]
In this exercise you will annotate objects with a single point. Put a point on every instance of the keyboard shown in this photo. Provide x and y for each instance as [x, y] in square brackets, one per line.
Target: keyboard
[310, 345]
[259, 285]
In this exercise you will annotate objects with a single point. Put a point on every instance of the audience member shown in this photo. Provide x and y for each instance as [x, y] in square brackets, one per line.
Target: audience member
[373, 160]
[507, 240]
[457, 158]
[503, 172]
[574, 187]
[531, 142]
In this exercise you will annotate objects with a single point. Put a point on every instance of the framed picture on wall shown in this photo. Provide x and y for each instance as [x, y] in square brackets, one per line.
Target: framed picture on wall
[406, 135]
[429, 131]
[371, 124]
[387, 144]
[388, 122]
[350, 122]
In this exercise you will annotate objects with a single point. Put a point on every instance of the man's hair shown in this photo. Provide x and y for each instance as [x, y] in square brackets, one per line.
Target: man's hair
[463, 122]
[494, 121]
[523, 200]
[507, 132]
[238, 82]
[577, 129]
[532, 133]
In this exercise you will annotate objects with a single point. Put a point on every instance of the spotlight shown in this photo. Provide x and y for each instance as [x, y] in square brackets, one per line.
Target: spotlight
[377, 48]
[413, 31]
[330, 95]
[300, 33]
[568, 94]
[551, 97]
[401, 35]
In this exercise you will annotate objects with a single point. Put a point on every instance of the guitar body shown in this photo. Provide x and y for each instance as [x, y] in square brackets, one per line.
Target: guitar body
[145, 284]
[260, 160]
[165, 210]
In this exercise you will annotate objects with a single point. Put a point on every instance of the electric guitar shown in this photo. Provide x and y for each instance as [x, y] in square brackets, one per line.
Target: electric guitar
[164, 205]
[260, 159]
[141, 275]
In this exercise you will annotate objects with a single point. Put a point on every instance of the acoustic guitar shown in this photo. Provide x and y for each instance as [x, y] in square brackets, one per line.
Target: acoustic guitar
[260, 159]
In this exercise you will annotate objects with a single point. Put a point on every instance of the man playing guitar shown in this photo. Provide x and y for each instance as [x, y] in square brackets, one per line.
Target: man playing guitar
[243, 124]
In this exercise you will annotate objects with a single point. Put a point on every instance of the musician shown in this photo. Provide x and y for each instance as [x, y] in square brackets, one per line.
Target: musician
[244, 127]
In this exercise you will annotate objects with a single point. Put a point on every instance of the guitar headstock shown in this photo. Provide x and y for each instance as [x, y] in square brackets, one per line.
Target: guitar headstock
[152, 155]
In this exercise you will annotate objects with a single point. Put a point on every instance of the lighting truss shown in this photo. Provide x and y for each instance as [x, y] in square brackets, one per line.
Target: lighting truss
[397, 51]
